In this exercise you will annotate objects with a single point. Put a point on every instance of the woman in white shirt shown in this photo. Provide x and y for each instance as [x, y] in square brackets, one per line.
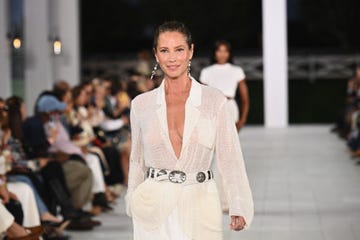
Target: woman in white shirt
[175, 131]
[228, 78]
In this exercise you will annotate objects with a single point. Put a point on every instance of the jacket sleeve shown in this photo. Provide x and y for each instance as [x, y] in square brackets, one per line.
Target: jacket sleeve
[232, 167]
[137, 166]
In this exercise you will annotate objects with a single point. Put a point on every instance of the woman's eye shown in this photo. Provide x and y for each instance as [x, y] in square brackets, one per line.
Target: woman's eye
[180, 49]
[163, 50]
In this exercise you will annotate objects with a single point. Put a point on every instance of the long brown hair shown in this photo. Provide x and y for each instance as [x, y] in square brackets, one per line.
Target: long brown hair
[14, 117]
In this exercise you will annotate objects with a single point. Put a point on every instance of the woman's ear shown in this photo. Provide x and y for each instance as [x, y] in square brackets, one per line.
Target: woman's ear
[191, 51]
[156, 58]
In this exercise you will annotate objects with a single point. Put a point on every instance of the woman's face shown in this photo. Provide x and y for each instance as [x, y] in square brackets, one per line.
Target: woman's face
[23, 111]
[2, 108]
[222, 54]
[67, 97]
[173, 54]
[81, 99]
[358, 72]
[88, 90]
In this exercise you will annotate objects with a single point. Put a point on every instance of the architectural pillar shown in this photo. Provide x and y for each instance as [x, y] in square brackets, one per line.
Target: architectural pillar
[5, 75]
[275, 63]
[38, 55]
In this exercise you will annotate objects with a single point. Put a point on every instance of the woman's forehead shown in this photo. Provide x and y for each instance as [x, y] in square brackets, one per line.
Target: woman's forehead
[172, 38]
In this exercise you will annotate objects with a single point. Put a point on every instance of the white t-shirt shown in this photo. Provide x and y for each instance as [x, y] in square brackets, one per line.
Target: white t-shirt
[224, 77]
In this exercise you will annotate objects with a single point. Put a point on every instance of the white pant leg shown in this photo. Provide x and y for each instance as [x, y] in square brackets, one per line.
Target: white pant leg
[94, 164]
[170, 230]
[6, 219]
[26, 197]
[234, 110]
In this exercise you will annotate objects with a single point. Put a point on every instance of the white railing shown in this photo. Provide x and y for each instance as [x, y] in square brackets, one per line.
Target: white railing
[309, 67]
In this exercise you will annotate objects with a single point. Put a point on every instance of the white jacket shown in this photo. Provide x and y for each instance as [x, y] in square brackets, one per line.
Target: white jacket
[209, 129]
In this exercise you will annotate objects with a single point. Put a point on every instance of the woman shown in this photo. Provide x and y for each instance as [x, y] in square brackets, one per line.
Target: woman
[110, 157]
[13, 230]
[175, 131]
[16, 115]
[228, 78]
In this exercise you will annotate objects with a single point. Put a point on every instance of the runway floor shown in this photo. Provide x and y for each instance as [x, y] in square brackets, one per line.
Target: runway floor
[305, 186]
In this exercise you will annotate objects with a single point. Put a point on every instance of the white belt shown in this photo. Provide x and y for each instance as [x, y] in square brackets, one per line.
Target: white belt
[176, 176]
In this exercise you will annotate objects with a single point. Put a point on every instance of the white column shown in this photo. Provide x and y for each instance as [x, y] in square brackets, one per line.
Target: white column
[38, 67]
[275, 63]
[5, 76]
[65, 24]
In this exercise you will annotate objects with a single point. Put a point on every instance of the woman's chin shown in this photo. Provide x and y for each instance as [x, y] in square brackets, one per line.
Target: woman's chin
[174, 75]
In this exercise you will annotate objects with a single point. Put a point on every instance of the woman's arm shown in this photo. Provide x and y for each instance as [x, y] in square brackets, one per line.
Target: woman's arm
[244, 107]
[232, 169]
[136, 166]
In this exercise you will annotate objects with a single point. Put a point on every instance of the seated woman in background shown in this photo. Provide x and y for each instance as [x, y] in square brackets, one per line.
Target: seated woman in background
[80, 118]
[12, 229]
[37, 173]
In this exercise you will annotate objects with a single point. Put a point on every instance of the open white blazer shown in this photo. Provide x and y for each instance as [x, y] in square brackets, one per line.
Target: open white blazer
[209, 129]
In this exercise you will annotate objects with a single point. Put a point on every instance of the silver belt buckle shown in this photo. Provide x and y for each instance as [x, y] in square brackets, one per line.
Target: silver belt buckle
[177, 176]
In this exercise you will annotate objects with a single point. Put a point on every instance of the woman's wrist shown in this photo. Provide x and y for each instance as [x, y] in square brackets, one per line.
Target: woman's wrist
[2, 181]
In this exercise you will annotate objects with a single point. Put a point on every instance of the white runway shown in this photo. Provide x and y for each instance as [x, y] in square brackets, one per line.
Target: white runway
[304, 182]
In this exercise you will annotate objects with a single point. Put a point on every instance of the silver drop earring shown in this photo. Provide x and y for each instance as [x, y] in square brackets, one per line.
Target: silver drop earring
[189, 67]
[153, 73]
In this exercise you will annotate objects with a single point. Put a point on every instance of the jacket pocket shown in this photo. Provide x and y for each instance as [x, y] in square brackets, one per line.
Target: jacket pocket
[206, 132]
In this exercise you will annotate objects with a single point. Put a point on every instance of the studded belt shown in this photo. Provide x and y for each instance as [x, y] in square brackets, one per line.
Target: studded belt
[176, 176]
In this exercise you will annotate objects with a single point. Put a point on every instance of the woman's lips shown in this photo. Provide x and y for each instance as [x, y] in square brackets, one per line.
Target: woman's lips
[173, 67]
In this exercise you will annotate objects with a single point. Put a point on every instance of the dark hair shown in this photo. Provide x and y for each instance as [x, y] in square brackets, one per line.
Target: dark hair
[173, 26]
[14, 116]
[217, 46]
[60, 88]
[75, 92]
[5, 107]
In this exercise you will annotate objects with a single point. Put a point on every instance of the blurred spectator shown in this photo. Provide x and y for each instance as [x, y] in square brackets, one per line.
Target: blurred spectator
[13, 230]
[40, 132]
[109, 155]
[343, 123]
[143, 65]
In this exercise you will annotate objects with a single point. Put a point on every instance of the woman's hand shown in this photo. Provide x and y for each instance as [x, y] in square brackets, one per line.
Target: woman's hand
[240, 124]
[13, 196]
[43, 162]
[237, 223]
[4, 193]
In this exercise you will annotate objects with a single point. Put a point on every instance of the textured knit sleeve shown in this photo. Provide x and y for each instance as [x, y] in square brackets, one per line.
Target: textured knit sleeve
[203, 78]
[137, 166]
[241, 74]
[232, 167]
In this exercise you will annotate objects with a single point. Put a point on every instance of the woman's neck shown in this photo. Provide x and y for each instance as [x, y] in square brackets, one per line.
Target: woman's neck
[177, 85]
[221, 63]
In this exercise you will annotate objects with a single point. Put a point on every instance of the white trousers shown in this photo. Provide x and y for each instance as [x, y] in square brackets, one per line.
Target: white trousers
[6, 219]
[26, 197]
[98, 177]
[234, 110]
[170, 230]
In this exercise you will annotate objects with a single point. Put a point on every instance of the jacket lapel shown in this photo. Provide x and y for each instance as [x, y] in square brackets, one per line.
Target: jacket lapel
[192, 113]
[162, 115]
